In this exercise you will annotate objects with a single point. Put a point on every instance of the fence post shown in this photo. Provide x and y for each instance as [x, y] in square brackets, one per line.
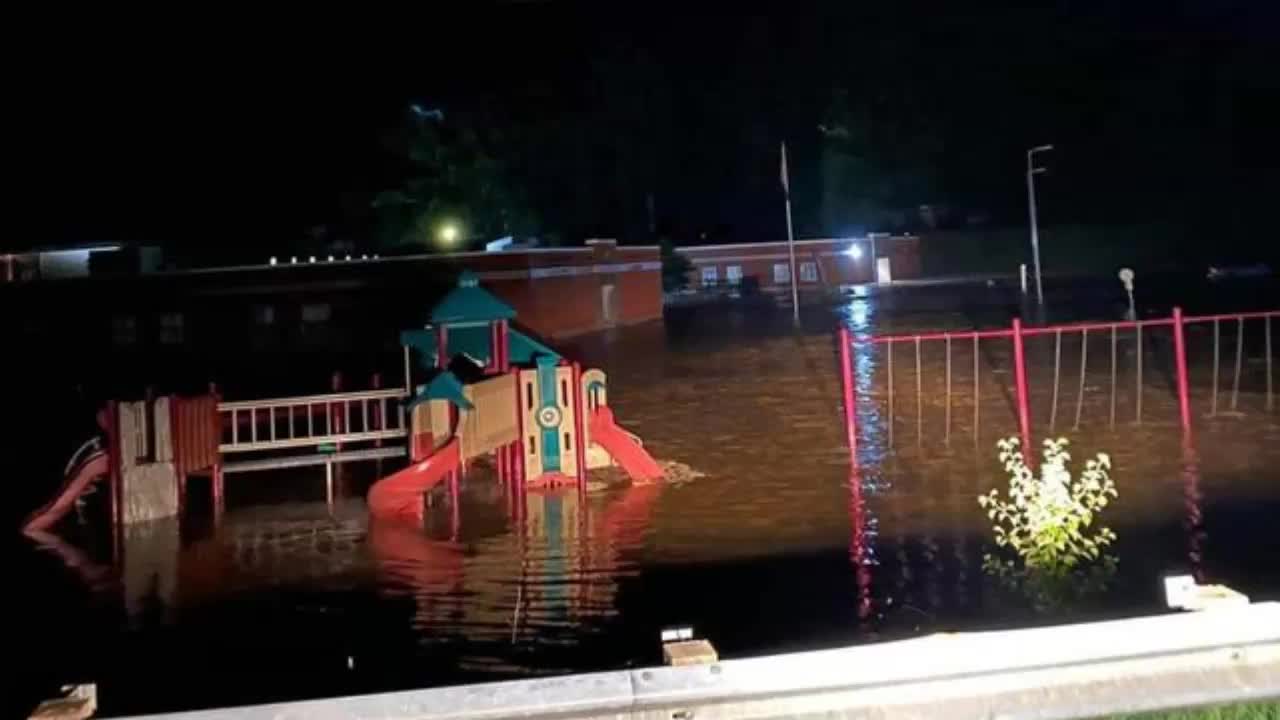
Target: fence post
[846, 381]
[1020, 379]
[1180, 358]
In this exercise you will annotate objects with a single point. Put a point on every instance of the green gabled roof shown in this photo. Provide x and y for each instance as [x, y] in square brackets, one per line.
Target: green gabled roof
[444, 386]
[470, 303]
[525, 349]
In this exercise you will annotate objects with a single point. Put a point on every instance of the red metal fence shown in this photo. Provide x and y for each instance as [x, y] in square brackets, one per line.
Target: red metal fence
[941, 360]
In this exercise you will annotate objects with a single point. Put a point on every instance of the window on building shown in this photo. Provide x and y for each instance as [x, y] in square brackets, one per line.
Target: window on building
[709, 275]
[733, 274]
[316, 313]
[172, 328]
[124, 330]
[781, 274]
[808, 272]
[264, 315]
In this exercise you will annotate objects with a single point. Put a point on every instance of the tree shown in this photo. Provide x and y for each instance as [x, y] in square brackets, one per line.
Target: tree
[675, 267]
[454, 176]
[879, 158]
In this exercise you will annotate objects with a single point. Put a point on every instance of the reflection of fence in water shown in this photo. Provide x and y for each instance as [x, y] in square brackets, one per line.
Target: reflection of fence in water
[1015, 379]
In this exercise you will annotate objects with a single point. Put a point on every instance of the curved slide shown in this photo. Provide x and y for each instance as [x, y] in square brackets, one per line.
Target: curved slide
[622, 447]
[79, 478]
[400, 494]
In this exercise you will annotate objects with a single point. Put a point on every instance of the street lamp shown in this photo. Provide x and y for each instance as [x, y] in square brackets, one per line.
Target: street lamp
[448, 234]
[1031, 201]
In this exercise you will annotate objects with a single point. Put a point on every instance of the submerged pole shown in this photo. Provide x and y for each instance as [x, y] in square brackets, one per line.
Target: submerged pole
[846, 381]
[1180, 359]
[1020, 378]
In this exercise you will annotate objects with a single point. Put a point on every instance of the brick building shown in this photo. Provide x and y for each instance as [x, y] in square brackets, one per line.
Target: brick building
[258, 328]
[820, 264]
[566, 291]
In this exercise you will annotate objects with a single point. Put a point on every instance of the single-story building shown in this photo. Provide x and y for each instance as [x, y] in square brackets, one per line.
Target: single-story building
[820, 264]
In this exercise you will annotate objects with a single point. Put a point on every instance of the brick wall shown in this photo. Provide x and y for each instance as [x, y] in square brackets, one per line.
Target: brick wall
[558, 293]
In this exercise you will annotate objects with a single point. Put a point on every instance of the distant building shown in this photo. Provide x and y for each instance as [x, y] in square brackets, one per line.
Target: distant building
[820, 264]
[78, 261]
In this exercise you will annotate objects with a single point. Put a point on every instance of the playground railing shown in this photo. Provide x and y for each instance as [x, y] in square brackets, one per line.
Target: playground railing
[282, 423]
[1001, 356]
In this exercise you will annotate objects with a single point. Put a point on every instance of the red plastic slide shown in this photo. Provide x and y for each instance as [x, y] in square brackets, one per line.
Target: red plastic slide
[401, 494]
[79, 478]
[622, 447]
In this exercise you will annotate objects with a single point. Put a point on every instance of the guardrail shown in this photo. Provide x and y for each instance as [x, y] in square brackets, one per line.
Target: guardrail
[1079, 670]
[335, 418]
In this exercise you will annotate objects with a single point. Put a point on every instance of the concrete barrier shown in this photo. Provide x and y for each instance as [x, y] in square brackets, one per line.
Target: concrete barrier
[1067, 671]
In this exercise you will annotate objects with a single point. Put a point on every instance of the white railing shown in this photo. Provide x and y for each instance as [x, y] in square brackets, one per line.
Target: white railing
[283, 423]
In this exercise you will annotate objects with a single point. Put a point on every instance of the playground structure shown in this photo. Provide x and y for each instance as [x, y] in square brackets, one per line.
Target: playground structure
[489, 391]
[969, 372]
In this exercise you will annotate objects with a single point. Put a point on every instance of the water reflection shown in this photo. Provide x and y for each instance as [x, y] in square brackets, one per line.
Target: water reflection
[1193, 525]
[778, 536]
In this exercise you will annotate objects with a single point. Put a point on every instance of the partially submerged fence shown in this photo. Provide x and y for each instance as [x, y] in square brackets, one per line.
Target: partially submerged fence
[1137, 371]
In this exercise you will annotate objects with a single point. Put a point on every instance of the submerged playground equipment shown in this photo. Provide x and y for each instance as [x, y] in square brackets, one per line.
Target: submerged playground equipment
[489, 390]
[543, 420]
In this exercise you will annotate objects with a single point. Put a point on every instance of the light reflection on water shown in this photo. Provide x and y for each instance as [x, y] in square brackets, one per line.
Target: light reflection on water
[778, 537]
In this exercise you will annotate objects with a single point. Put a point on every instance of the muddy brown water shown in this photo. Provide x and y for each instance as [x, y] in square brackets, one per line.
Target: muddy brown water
[776, 546]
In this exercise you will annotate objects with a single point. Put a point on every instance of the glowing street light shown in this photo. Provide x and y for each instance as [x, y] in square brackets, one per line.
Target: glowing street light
[854, 251]
[448, 233]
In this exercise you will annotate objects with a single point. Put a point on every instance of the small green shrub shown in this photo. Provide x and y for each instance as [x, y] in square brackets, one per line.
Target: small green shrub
[1048, 524]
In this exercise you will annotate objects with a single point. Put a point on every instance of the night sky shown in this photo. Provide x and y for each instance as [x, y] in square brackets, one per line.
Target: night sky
[224, 137]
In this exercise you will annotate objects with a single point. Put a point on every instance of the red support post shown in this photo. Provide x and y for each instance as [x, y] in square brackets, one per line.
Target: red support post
[1020, 379]
[519, 479]
[846, 381]
[1180, 359]
[504, 345]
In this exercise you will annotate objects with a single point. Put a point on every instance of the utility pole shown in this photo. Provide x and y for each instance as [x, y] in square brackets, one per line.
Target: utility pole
[1035, 230]
[791, 237]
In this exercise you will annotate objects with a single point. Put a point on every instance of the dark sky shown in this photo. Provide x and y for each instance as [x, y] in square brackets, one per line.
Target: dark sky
[237, 133]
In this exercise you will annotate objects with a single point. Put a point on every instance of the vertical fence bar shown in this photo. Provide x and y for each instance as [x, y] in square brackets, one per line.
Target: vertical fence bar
[1113, 376]
[1180, 360]
[1057, 369]
[919, 396]
[271, 418]
[1138, 336]
[328, 485]
[946, 433]
[1020, 379]
[1213, 402]
[253, 425]
[889, 349]
[1267, 335]
[1084, 364]
[235, 427]
[311, 421]
[364, 410]
[1235, 383]
[846, 381]
[977, 398]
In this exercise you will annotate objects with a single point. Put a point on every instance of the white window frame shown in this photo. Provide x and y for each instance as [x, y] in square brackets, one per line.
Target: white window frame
[733, 274]
[710, 275]
[316, 313]
[781, 274]
[173, 328]
[809, 271]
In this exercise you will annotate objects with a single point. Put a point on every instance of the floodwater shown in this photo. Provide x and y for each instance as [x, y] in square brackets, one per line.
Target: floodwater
[774, 544]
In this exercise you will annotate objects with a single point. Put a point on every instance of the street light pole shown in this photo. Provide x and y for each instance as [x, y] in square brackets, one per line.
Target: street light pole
[1035, 229]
